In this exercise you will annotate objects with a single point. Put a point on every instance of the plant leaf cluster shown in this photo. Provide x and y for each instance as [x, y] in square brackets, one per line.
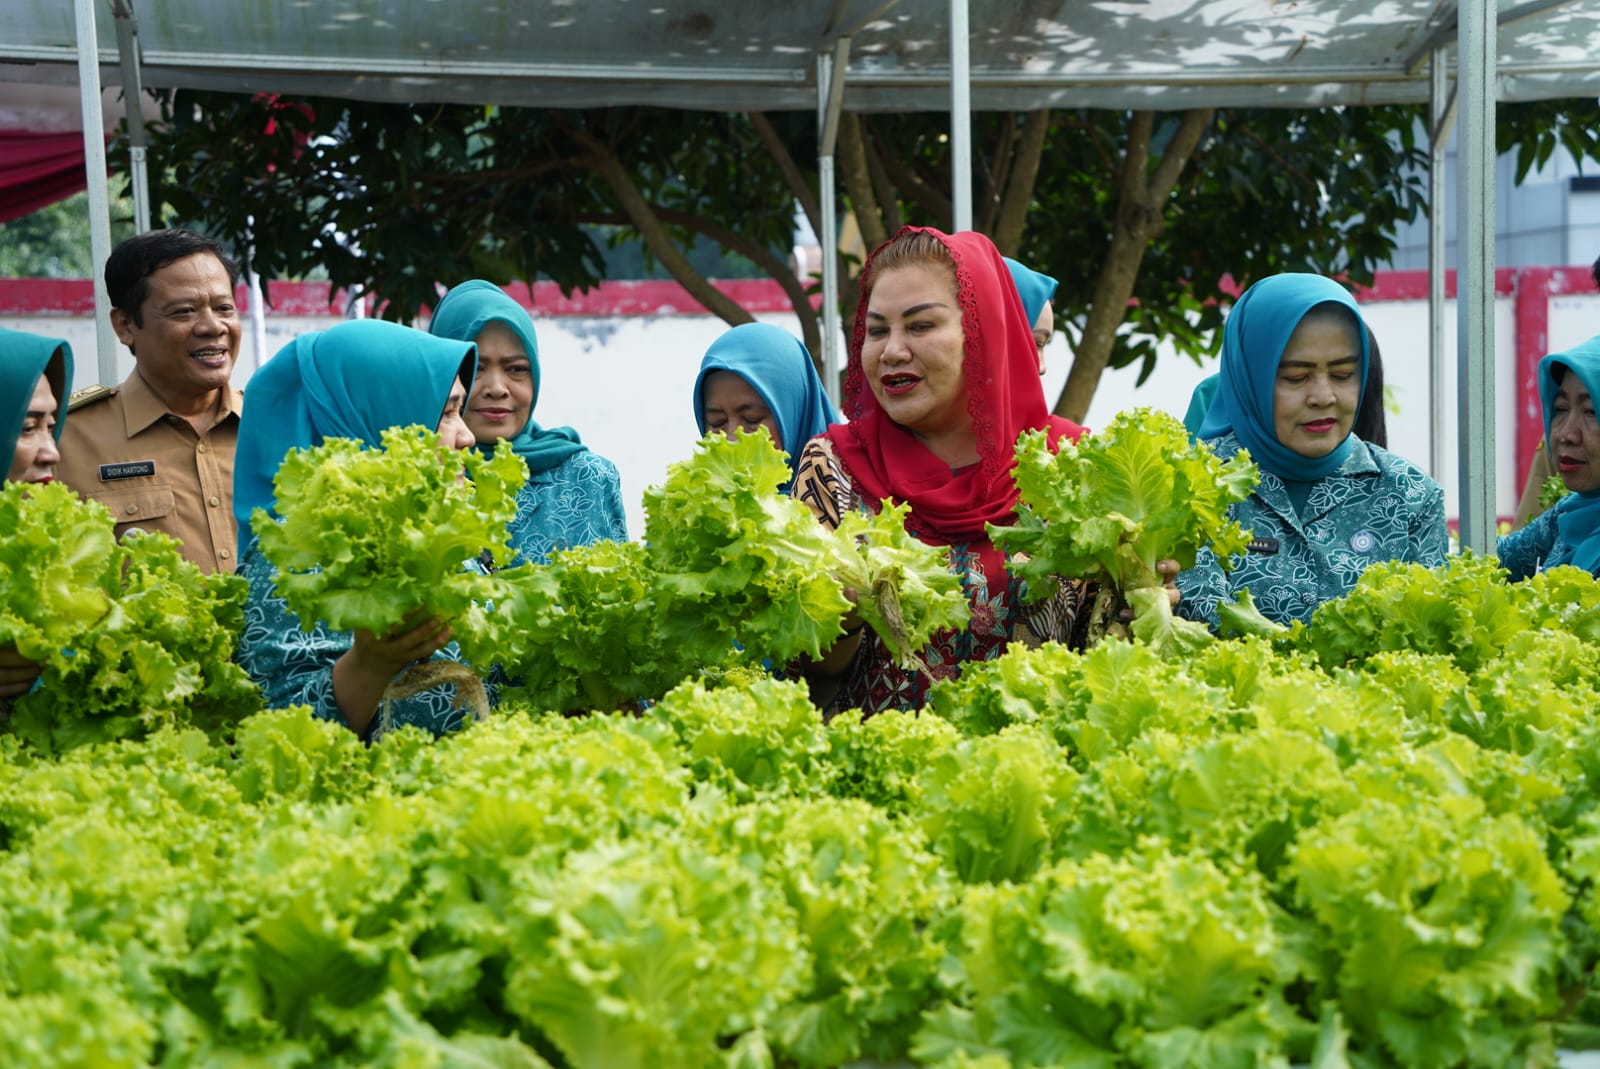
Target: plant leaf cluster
[130, 635]
[365, 536]
[731, 572]
[1247, 857]
[1110, 506]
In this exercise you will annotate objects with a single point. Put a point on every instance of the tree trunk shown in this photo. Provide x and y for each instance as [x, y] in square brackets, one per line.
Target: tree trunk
[655, 235]
[882, 188]
[1141, 209]
[789, 169]
[857, 181]
[1018, 196]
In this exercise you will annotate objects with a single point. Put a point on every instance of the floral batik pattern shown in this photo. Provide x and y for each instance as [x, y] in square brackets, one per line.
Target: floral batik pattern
[295, 667]
[576, 503]
[1375, 507]
[874, 682]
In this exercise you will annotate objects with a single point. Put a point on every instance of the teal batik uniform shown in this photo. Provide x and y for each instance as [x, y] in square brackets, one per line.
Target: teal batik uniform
[1375, 507]
[572, 497]
[354, 380]
[1317, 522]
[1568, 532]
[1531, 550]
[576, 503]
[295, 667]
[778, 366]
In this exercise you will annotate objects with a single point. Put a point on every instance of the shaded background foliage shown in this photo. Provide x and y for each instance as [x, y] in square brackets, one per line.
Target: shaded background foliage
[1150, 220]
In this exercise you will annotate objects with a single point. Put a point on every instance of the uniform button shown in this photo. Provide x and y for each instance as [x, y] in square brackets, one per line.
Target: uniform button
[132, 509]
[224, 554]
[201, 448]
[214, 500]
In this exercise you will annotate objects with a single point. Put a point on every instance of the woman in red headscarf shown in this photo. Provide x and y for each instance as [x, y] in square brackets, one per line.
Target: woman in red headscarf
[943, 377]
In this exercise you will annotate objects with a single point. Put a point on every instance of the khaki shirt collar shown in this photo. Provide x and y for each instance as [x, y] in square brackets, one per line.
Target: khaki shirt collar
[141, 407]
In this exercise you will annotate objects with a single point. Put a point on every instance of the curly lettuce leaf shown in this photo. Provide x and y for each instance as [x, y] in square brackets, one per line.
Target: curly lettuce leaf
[365, 536]
[1163, 960]
[56, 551]
[1109, 507]
[159, 651]
[905, 590]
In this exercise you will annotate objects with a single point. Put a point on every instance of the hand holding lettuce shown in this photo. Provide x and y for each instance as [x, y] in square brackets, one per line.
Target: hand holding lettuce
[369, 536]
[1109, 507]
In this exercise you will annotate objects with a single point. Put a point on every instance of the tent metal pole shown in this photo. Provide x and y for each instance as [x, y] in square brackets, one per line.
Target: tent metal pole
[830, 101]
[94, 161]
[960, 117]
[1441, 119]
[133, 101]
[1475, 268]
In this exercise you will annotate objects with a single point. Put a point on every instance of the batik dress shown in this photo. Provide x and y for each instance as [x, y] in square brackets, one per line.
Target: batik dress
[874, 682]
[1375, 507]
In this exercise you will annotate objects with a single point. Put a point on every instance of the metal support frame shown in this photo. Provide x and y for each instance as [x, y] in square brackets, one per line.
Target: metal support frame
[94, 161]
[830, 102]
[133, 100]
[1441, 120]
[1475, 268]
[1447, 31]
[960, 118]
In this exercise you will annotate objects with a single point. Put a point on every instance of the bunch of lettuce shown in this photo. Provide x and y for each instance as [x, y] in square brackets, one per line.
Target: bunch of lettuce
[1155, 959]
[57, 552]
[367, 536]
[1109, 507]
[130, 636]
[581, 629]
[729, 545]
[731, 574]
[1440, 926]
[867, 896]
[904, 590]
[736, 562]
[1465, 609]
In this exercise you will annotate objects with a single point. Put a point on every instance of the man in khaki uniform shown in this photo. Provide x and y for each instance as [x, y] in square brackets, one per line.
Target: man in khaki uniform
[158, 449]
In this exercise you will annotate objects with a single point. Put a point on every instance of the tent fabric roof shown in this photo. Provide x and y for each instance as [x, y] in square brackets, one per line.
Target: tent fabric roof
[762, 55]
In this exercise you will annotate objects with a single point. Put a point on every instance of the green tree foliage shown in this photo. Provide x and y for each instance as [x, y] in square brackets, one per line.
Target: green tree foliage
[1149, 219]
[53, 242]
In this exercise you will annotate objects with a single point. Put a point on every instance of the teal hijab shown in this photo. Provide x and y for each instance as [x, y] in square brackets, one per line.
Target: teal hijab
[1253, 339]
[778, 366]
[462, 315]
[1033, 287]
[23, 358]
[1200, 403]
[354, 380]
[1577, 515]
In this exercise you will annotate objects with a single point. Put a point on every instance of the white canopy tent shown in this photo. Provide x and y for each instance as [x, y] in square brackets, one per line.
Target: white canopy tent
[872, 55]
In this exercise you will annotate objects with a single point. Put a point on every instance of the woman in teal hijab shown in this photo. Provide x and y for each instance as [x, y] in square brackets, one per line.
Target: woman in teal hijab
[572, 497]
[1036, 289]
[354, 380]
[1294, 365]
[1569, 532]
[759, 375]
[35, 377]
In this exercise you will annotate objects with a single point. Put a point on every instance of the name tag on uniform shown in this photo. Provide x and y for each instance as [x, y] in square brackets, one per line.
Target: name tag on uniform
[132, 469]
[1269, 546]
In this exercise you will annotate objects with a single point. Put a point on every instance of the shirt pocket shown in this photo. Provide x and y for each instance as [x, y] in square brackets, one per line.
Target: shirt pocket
[136, 505]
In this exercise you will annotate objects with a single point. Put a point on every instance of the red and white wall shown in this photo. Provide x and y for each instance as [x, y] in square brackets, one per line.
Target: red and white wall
[619, 363]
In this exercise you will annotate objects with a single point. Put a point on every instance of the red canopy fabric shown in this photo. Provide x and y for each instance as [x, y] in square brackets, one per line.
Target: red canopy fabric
[37, 169]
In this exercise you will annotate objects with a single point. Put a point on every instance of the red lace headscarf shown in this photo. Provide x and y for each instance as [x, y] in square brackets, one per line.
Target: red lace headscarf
[1004, 397]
